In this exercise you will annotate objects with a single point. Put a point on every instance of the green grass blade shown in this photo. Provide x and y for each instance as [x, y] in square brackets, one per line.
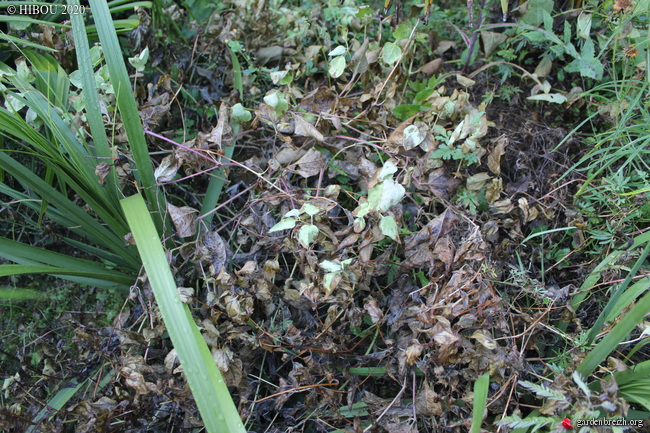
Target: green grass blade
[89, 91]
[87, 277]
[616, 295]
[20, 42]
[614, 337]
[127, 106]
[95, 231]
[481, 387]
[19, 294]
[18, 252]
[210, 392]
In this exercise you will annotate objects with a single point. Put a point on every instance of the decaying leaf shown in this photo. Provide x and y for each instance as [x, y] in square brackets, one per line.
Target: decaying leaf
[213, 250]
[310, 164]
[184, 219]
[440, 184]
[306, 129]
[102, 169]
[168, 168]
[494, 158]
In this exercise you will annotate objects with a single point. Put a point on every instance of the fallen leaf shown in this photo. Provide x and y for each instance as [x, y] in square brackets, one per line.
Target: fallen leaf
[184, 219]
[168, 168]
[306, 129]
[310, 164]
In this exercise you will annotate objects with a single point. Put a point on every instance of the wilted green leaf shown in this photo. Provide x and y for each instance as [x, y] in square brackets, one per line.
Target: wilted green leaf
[555, 98]
[307, 234]
[284, 224]
[337, 66]
[388, 227]
[331, 266]
[413, 136]
[239, 114]
[140, 61]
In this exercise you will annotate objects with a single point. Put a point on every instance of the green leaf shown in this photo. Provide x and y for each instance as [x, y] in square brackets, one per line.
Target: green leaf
[481, 387]
[587, 64]
[307, 234]
[239, 114]
[337, 66]
[139, 62]
[388, 227]
[309, 209]
[406, 111]
[534, 16]
[391, 53]
[402, 32]
[284, 224]
[338, 51]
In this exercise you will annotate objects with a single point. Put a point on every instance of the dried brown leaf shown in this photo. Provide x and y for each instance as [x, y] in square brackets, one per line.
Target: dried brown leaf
[184, 219]
[310, 164]
[306, 129]
[494, 158]
[168, 168]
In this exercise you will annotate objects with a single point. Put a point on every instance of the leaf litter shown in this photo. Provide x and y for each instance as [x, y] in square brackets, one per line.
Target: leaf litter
[373, 301]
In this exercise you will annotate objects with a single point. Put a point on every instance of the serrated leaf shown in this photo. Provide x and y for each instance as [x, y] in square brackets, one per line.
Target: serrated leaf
[284, 224]
[388, 227]
[337, 66]
[391, 53]
[307, 234]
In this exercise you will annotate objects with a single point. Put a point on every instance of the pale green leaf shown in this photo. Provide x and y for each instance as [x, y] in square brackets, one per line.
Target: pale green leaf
[392, 193]
[239, 114]
[331, 266]
[284, 224]
[555, 98]
[139, 62]
[391, 53]
[338, 51]
[310, 209]
[307, 234]
[337, 66]
[388, 227]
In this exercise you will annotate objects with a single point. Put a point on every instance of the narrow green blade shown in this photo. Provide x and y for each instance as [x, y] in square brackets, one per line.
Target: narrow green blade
[208, 387]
